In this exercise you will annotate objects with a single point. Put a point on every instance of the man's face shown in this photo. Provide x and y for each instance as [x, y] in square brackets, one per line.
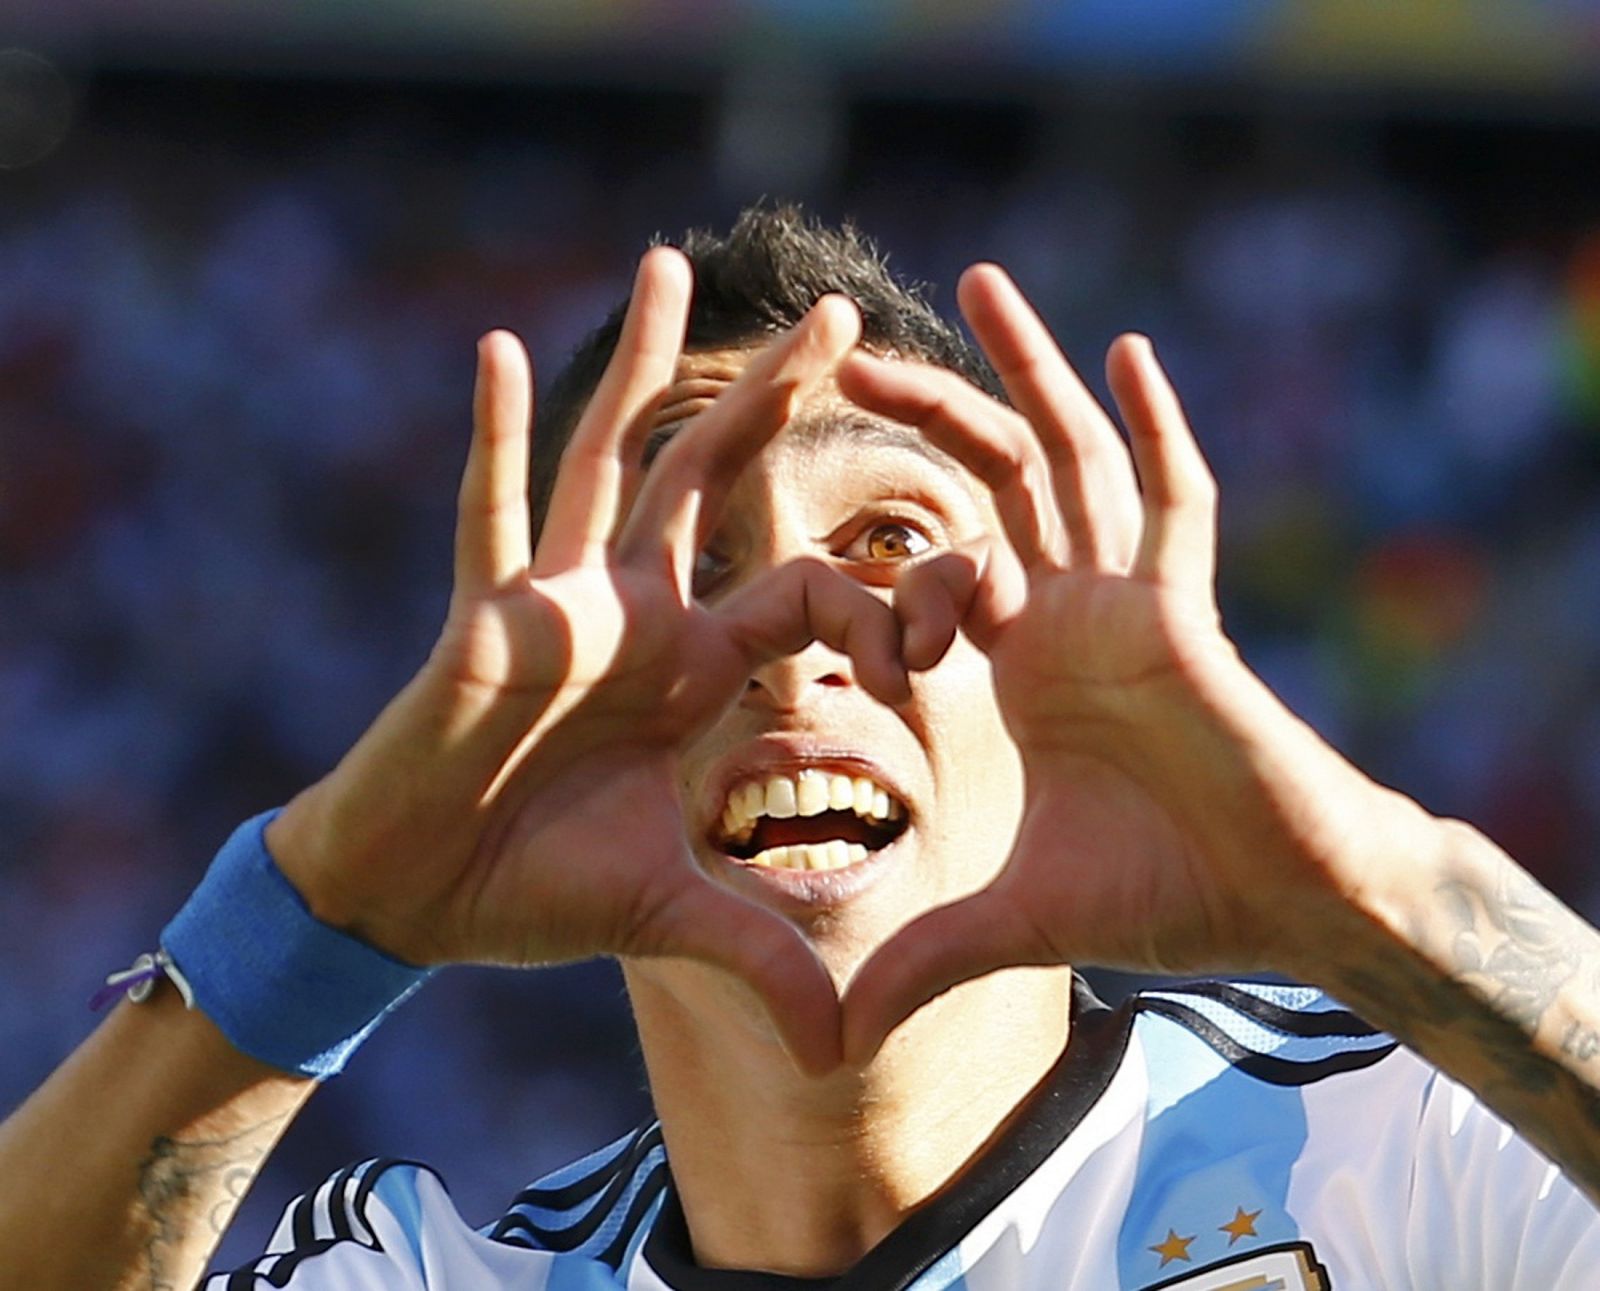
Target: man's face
[809, 795]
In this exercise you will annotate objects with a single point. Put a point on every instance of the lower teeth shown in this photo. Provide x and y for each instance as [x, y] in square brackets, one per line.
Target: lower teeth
[832, 855]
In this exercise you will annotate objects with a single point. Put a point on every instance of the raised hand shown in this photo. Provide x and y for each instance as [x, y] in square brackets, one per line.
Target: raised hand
[1177, 817]
[517, 802]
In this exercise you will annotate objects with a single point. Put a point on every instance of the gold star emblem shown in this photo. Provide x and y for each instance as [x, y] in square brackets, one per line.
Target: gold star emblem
[1174, 1248]
[1243, 1224]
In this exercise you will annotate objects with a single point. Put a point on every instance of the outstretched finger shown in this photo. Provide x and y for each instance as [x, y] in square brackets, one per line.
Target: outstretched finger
[1089, 464]
[602, 457]
[931, 954]
[990, 440]
[1179, 542]
[771, 956]
[492, 514]
[688, 483]
[804, 601]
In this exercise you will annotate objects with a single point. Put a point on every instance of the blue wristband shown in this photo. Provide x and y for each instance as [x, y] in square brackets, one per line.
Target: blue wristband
[280, 984]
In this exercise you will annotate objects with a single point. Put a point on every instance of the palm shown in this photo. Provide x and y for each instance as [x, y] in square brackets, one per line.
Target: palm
[1093, 670]
[1110, 668]
[517, 803]
[582, 849]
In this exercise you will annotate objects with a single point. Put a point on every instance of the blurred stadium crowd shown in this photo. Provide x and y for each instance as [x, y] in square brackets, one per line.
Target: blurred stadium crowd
[234, 374]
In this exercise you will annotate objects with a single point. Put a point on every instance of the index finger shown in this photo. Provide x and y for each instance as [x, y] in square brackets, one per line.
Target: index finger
[691, 478]
[596, 465]
[1089, 463]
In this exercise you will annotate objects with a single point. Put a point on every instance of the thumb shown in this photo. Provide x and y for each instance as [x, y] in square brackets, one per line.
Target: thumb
[711, 925]
[938, 950]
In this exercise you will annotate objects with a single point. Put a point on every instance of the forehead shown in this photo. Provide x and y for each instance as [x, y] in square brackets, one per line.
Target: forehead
[828, 420]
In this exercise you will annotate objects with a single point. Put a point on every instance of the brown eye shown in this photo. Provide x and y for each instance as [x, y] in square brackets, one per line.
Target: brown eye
[710, 569]
[895, 541]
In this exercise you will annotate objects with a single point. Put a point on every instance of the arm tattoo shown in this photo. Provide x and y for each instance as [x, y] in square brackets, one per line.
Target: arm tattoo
[1499, 983]
[1520, 952]
[180, 1175]
[1500, 940]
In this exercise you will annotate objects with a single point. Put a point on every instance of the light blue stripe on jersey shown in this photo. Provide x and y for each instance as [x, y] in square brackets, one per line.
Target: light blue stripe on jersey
[560, 1220]
[1302, 999]
[397, 1190]
[640, 1232]
[585, 1166]
[607, 1161]
[944, 1274]
[1216, 1139]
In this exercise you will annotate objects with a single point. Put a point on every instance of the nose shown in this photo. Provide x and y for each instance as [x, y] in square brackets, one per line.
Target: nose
[789, 683]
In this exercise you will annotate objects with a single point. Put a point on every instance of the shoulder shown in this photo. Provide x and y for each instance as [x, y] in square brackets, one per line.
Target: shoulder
[1279, 1034]
[598, 1207]
[392, 1223]
[1275, 1104]
[366, 1216]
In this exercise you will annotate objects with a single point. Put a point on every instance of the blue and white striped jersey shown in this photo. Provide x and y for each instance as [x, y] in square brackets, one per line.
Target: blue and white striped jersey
[1206, 1138]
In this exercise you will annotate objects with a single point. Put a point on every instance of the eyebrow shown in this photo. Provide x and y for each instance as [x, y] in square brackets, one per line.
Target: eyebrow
[820, 429]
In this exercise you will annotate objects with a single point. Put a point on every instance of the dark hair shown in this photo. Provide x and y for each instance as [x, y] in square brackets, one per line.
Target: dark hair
[750, 284]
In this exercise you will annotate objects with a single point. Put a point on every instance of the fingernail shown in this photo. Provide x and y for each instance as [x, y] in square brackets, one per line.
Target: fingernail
[839, 310]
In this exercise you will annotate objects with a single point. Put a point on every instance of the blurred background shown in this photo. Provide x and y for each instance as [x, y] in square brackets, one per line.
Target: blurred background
[245, 251]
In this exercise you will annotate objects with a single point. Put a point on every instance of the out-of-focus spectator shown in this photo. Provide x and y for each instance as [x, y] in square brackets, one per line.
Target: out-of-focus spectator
[232, 407]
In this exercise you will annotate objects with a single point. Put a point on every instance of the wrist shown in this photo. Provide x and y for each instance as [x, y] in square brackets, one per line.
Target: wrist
[1380, 900]
[293, 837]
[282, 985]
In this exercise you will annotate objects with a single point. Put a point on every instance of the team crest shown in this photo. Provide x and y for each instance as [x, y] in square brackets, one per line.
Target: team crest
[1292, 1266]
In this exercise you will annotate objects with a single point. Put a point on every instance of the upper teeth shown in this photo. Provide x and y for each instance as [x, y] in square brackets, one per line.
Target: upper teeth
[807, 793]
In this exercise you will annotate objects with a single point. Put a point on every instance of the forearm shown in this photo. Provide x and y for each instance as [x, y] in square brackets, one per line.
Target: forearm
[126, 1166]
[1469, 961]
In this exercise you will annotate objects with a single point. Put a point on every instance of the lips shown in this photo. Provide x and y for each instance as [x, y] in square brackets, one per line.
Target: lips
[808, 818]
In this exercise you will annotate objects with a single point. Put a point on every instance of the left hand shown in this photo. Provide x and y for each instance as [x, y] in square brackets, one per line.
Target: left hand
[1177, 816]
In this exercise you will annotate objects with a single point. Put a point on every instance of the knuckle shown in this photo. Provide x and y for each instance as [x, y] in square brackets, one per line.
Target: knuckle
[1000, 461]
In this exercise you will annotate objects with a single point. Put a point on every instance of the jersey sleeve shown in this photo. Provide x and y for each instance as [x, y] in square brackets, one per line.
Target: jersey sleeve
[364, 1229]
[1487, 1210]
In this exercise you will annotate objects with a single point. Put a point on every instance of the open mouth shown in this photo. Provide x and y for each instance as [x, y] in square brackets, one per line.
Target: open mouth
[811, 820]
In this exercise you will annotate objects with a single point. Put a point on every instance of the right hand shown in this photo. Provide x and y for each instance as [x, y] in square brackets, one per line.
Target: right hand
[517, 803]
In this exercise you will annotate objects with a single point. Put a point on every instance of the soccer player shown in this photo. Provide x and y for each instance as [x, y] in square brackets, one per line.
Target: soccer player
[851, 692]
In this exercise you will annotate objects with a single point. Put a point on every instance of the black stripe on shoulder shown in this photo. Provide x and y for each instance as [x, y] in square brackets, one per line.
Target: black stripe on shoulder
[338, 1205]
[1266, 1066]
[567, 1195]
[515, 1226]
[242, 1279]
[654, 1183]
[376, 1169]
[1310, 1023]
[281, 1270]
[303, 1229]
